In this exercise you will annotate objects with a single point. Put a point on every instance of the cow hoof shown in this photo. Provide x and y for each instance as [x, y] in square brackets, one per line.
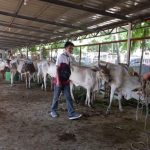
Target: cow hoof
[86, 104]
[89, 105]
[121, 110]
[108, 112]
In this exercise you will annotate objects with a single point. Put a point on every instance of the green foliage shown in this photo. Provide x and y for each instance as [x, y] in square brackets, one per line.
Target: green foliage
[57, 45]
[33, 49]
[76, 50]
[140, 32]
[45, 53]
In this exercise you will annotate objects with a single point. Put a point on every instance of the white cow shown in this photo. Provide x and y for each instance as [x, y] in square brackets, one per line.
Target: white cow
[47, 67]
[88, 79]
[3, 65]
[122, 83]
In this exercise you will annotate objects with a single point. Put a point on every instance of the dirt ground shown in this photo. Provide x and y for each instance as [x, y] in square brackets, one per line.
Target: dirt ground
[26, 125]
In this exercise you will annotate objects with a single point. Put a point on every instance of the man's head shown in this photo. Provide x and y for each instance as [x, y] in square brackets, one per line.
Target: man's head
[69, 47]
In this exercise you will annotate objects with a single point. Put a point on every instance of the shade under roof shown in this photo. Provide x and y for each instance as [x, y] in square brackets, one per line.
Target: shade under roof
[45, 21]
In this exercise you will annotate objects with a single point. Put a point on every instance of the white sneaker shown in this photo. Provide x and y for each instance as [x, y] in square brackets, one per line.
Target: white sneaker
[54, 114]
[76, 116]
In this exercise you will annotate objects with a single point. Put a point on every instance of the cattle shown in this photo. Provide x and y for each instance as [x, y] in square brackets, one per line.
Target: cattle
[24, 67]
[88, 79]
[47, 67]
[3, 67]
[39, 71]
[122, 83]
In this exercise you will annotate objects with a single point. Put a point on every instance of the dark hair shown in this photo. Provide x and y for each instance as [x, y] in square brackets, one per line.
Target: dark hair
[68, 43]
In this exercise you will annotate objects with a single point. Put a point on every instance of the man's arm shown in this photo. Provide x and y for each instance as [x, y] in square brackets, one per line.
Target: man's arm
[58, 83]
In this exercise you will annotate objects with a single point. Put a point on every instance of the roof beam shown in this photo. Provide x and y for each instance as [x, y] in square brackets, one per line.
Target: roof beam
[40, 20]
[18, 38]
[12, 44]
[9, 45]
[85, 8]
[25, 35]
[12, 41]
[28, 28]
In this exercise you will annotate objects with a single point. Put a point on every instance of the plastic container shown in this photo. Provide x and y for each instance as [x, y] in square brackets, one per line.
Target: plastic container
[7, 76]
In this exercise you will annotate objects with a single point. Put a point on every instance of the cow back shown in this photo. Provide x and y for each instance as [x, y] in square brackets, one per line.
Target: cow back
[28, 67]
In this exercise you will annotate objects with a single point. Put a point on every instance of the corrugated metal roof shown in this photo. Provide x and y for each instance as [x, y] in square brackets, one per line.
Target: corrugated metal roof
[50, 20]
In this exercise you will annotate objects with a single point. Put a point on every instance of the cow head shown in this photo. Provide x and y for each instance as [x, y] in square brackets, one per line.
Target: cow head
[104, 73]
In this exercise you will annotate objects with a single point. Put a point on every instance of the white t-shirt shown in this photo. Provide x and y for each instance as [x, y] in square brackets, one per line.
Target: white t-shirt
[63, 58]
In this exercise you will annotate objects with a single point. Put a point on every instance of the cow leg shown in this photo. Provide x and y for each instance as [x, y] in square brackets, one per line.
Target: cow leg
[38, 78]
[119, 101]
[29, 78]
[113, 89]
[3, 74]
[52, 85]
[44, 82]
[33, 77]
[12, 78]
[21, 77]
[26, 76]
[93, 96]
[88, 100]
[71, 91]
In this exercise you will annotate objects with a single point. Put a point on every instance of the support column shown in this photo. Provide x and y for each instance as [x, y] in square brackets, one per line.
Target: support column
[80, 56]
[129, 43]
[143, 49]
[99, 52]
[51, 53]
[27, 54]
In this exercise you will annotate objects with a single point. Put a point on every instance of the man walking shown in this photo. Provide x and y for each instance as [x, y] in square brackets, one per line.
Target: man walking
[63, 73]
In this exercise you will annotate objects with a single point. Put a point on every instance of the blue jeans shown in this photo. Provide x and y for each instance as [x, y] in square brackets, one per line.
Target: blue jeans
[69, 102]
